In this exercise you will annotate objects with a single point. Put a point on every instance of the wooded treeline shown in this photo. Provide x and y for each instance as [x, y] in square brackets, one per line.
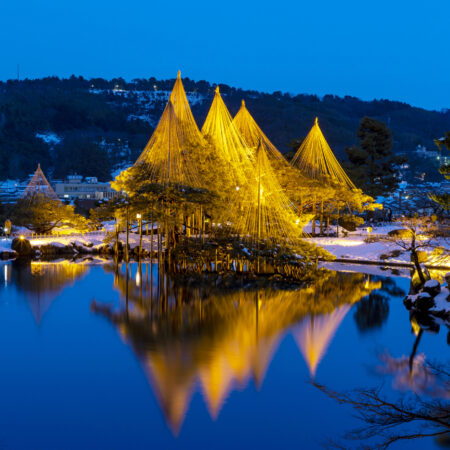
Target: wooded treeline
[101, 129]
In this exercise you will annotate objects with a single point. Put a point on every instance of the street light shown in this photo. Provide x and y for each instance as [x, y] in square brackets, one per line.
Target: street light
[139, 218]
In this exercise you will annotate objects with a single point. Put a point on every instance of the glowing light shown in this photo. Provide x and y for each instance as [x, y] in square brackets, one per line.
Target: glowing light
[316, 159]
[138, 216]
[138, 278]
[21, 237]
[415, 326]
[168, 155]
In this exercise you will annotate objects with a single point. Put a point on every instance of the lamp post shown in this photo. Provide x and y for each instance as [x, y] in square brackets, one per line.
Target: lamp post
[139, 218]
[127, 230]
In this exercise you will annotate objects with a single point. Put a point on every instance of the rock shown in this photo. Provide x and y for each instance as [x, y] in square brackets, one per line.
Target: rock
[408, 302]
[8, 255]
[433, 287]
[426, 322]
[56, 249]
[22, 246]
[447, 278]
[424, 301]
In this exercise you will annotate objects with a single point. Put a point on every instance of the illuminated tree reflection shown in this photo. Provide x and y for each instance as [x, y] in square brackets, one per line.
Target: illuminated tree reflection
[216, 339]
[43, 281]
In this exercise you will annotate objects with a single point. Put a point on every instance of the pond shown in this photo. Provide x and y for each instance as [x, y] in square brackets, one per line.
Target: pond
[93, 358]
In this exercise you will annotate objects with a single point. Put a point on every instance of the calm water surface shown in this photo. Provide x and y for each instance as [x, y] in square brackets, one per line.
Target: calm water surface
[91, 358]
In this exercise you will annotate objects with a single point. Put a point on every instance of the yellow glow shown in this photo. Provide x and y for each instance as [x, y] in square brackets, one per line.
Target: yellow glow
[220, 359]
[316, 159]
[415, 326]
[138, 278]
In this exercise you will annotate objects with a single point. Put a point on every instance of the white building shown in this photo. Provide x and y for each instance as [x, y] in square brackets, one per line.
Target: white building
[74, 187]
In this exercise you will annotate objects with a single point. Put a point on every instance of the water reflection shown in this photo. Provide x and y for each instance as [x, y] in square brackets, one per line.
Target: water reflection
[372, 312]
[41, 281]
[215, 340]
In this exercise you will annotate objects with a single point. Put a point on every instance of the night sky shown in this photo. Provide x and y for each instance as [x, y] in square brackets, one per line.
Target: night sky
[392, 49]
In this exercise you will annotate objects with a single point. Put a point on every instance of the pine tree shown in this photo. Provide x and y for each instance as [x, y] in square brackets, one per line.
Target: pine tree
[373, 166]
[41, 214]
[444, 198]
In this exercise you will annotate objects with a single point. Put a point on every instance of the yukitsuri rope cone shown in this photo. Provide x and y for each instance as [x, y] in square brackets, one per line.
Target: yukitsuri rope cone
[267, 213]
[263, 211]
[253, 135]
[166, 158]
[39, 185]
[316, 159]
[169, 156]
[219, 131]
[293, 182]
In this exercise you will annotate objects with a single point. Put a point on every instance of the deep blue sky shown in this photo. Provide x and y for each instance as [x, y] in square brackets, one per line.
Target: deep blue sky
[393, 49]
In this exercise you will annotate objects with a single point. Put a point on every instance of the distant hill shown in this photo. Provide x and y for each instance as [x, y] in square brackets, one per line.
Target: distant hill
[96, 126]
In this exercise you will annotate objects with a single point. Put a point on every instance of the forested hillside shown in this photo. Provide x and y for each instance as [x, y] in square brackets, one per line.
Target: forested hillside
[93, 127]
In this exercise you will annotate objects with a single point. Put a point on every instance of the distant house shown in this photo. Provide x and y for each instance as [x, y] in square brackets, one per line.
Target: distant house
[74, 187]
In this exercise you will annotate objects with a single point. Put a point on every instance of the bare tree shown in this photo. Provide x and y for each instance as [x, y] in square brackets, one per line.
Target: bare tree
[389, 422]
[418, 233]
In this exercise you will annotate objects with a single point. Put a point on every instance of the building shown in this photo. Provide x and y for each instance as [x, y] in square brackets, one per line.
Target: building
[11, 190]
[73, 187]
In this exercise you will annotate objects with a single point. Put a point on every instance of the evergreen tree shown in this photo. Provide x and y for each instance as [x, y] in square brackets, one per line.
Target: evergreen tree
[82, 156]
[444, 198]
[373, 166]
[42, 214]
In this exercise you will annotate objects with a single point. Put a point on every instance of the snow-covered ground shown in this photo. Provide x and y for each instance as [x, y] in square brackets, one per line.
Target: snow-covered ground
[354, 248]
[95, 240]
[367, 269]
[5, 245]
[361, 231]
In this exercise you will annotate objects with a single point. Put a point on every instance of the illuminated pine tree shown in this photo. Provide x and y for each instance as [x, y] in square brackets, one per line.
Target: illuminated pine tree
[266, 212]
[295, 185]
[315, 159]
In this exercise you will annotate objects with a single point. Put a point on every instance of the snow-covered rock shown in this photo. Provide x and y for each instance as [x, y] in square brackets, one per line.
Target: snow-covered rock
[432, 287]
[433, 300]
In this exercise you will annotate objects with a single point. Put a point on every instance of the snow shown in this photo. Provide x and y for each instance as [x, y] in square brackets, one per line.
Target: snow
[441, 302]
[431, 284]
[360, 231]
[354, 248]
[49, 137]
[144, 117]
[5, 245]
[150, 95]
[120, 169]
[367, 269]
[93, 240]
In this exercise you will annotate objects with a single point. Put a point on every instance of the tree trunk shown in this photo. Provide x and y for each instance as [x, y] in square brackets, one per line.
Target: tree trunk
[313, 229]
[321, 218]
